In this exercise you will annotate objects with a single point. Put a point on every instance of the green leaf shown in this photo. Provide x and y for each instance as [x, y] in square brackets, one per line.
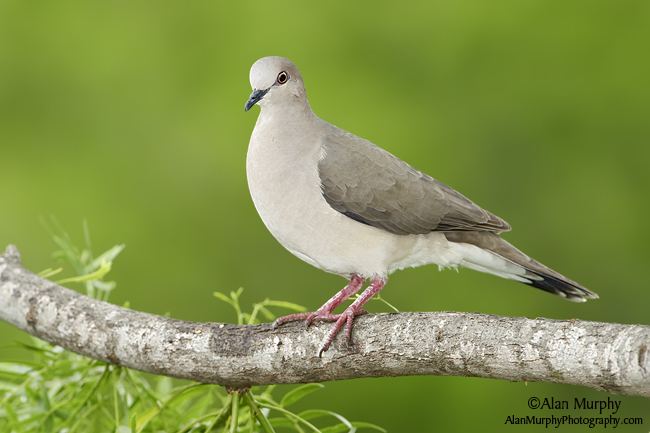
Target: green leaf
[281, 422]
[291, 415]
[267, 313]
[339, 428]
[49, 272]
[221, 415]
[284, 304]
[299, 393]
[141, 420]
[310, 414]
[107, 256]
[163, 387]
[100, 273]
[385, 302]
[183, 395]
[261, 418]
[218, 416]
[36, 347]
[15, 368]
[222, 297]
[368, 426]
[234, 413]
[343, 422]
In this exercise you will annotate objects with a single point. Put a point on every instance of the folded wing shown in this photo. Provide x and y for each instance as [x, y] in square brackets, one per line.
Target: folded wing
[374, 187]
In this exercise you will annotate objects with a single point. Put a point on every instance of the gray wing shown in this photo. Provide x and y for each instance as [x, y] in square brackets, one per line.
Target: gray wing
[374, 187]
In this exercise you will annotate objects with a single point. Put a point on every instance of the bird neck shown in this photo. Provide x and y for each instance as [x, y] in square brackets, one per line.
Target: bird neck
[297, 110]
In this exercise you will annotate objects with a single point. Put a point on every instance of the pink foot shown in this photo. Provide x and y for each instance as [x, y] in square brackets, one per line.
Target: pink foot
[324, 312]
[346, 318]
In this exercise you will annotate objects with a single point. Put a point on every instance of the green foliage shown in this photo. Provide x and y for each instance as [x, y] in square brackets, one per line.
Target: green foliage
[60, 391]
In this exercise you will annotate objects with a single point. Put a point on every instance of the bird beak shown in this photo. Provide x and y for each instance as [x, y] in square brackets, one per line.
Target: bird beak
[255, 97]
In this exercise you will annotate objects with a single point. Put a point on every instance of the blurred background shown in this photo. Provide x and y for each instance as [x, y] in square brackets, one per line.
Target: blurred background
[130, 115]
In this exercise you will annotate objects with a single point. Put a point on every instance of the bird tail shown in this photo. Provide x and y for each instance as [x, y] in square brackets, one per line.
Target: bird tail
[487, 252]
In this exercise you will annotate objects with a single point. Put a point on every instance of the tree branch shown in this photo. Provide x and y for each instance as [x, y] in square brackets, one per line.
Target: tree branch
[605, 356]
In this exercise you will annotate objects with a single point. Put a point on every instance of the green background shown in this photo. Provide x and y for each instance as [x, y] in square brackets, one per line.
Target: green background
[130, 115]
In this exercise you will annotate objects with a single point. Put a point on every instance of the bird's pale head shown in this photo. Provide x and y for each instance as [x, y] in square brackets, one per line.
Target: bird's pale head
[275, 81]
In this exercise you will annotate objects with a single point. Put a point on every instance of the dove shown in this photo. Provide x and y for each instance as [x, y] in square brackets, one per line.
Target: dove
[351, 208]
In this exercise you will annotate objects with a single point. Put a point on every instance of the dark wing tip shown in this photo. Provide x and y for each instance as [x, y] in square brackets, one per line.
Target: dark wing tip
[571, 291]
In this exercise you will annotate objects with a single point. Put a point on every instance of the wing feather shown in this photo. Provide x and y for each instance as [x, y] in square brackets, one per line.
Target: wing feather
[374, 187]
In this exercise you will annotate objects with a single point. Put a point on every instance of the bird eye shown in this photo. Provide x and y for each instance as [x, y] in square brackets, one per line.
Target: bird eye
[283, 77]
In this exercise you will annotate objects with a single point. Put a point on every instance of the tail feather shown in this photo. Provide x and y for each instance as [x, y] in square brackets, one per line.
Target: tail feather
[487, 252]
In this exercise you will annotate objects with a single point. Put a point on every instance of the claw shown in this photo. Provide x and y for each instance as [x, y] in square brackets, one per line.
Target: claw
[324, 312]
[346, 318]
[310, 319]
[289, 318]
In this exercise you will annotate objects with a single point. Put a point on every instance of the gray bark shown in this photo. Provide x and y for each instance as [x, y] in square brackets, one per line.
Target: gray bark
[606, 356]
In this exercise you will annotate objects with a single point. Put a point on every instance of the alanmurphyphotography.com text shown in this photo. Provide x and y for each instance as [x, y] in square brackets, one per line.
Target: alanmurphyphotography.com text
[577, 411]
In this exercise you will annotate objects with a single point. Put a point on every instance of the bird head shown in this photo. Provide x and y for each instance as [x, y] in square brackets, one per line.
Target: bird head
[275, 80]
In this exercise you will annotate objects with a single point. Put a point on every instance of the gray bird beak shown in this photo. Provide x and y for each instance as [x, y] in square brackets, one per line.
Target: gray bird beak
[255, 97]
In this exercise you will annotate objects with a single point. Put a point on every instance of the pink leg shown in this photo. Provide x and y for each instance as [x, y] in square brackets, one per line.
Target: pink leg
[325, 312]
[347, 317]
